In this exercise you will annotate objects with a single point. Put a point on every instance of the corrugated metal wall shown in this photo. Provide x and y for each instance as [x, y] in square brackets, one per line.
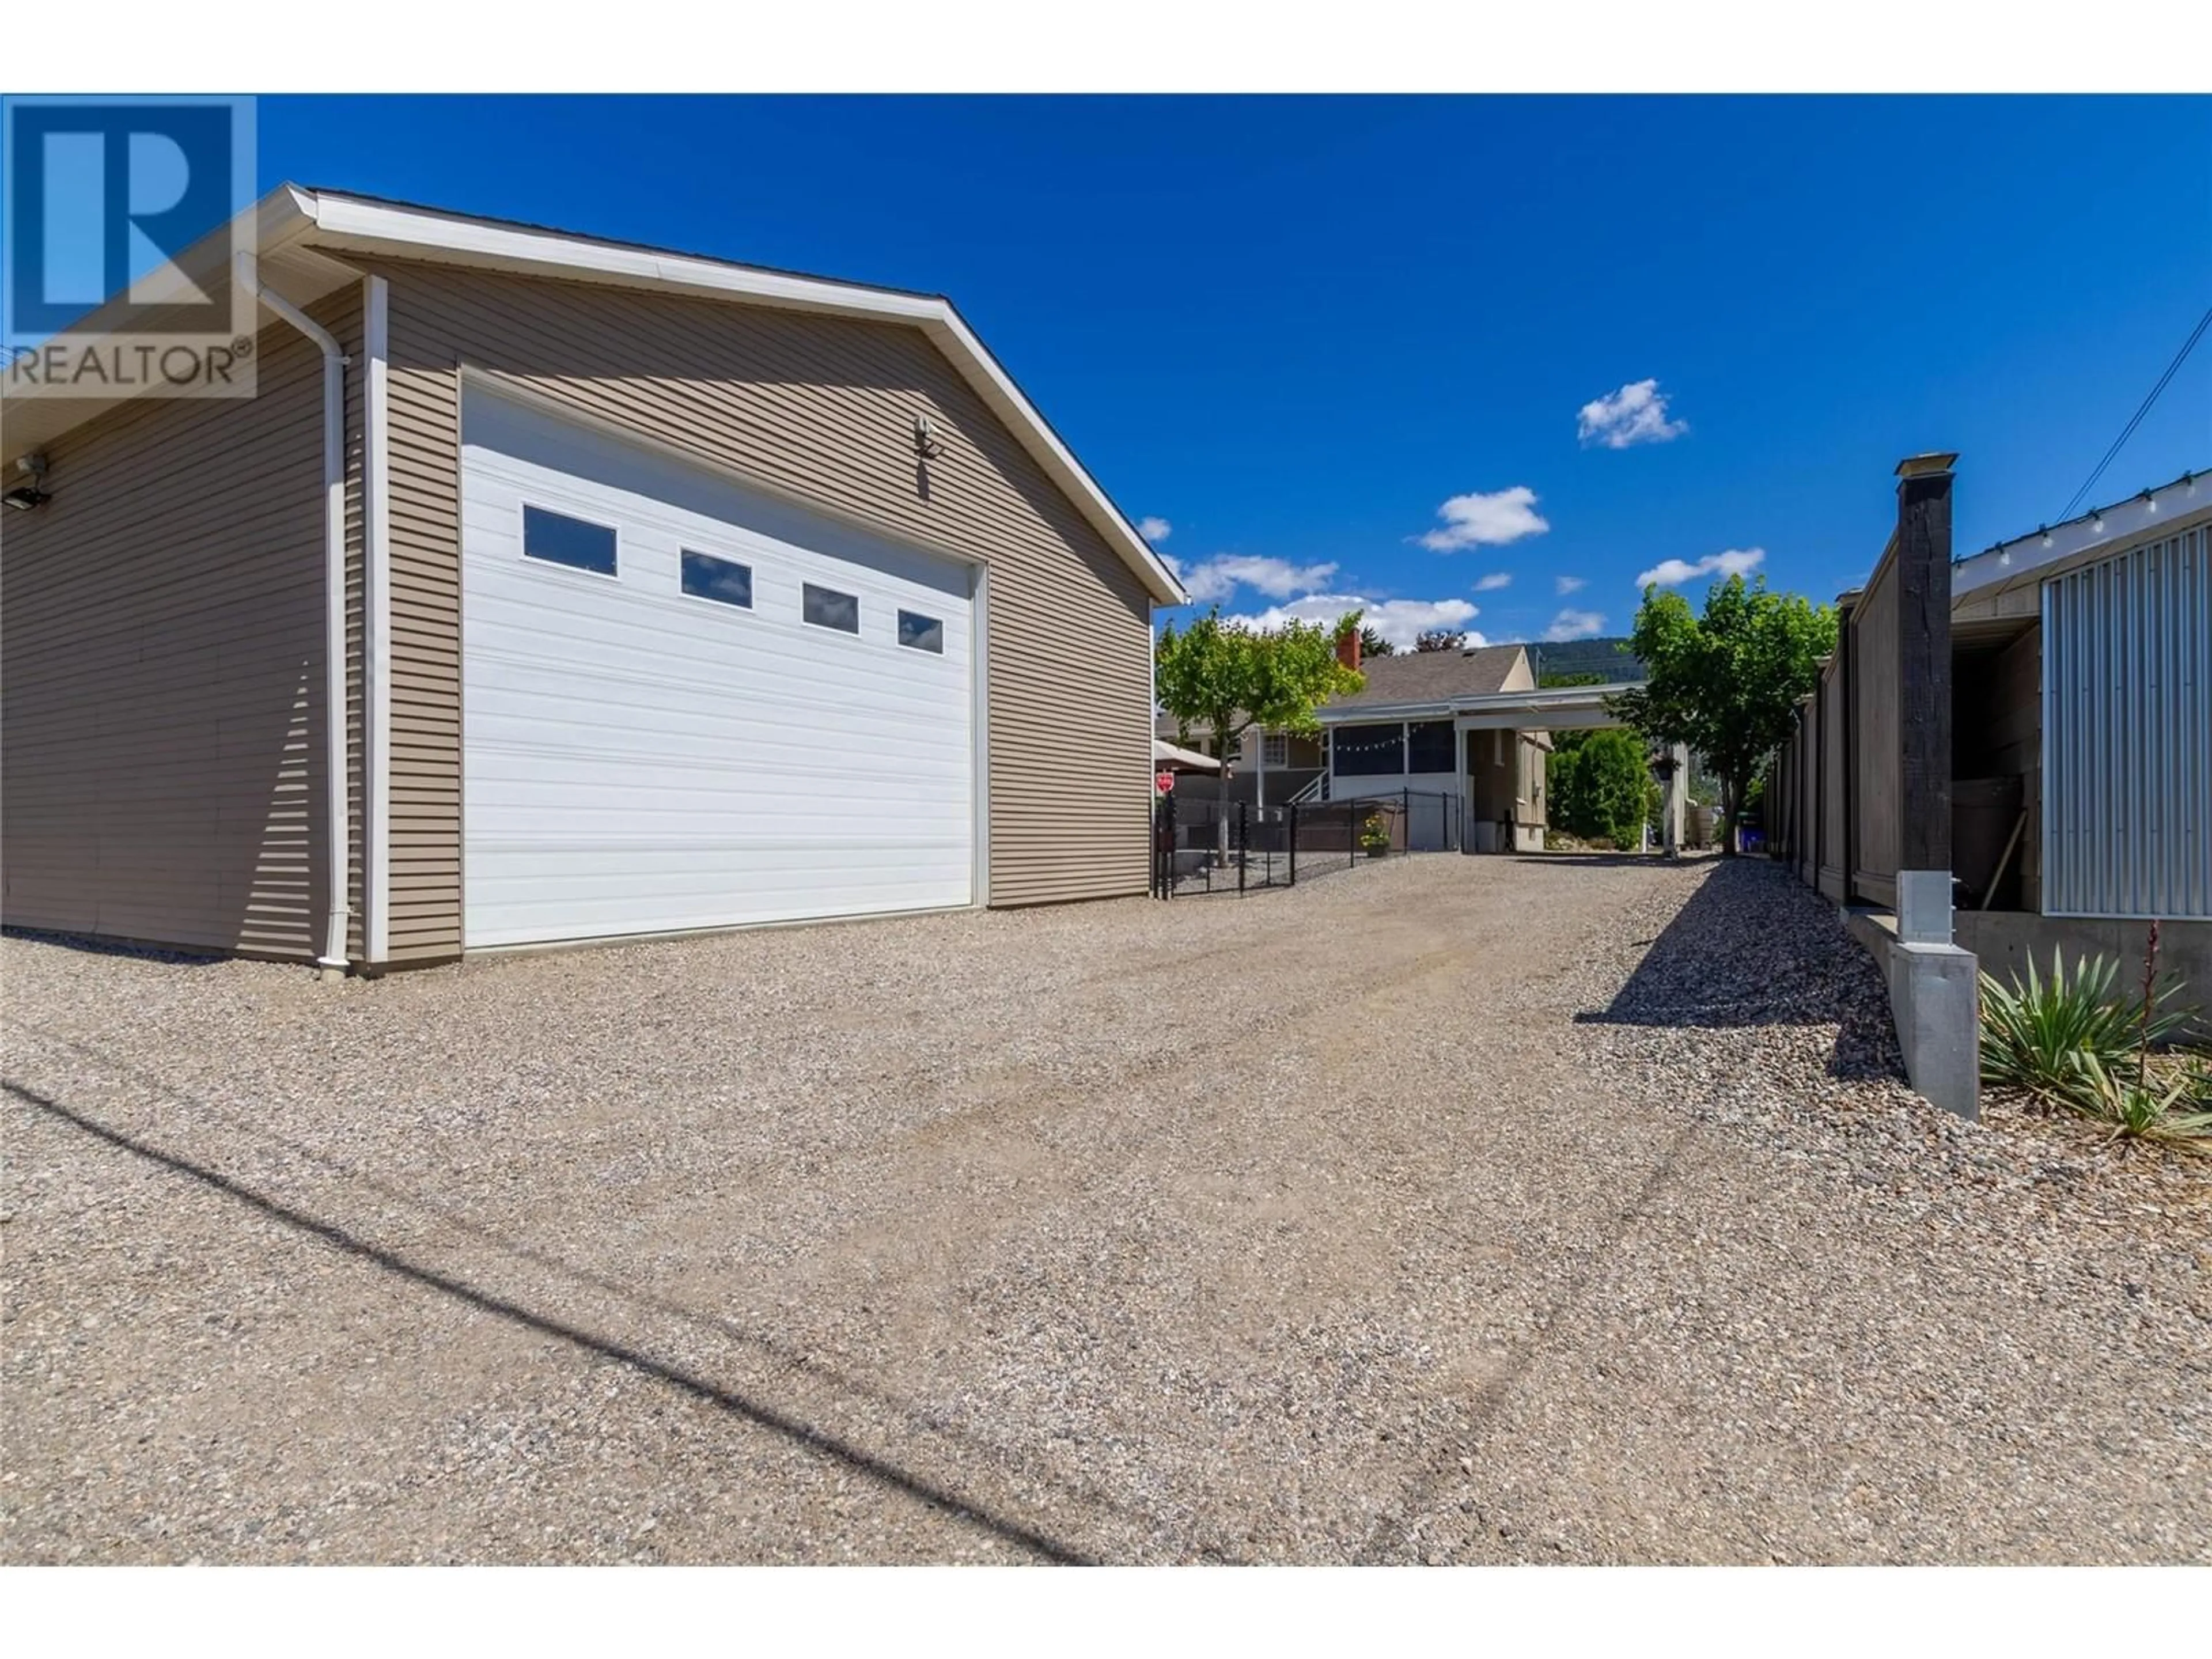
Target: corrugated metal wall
[2127, 734]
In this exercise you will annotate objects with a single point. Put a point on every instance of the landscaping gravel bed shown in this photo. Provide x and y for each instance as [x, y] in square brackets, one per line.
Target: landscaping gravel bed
[1480, 1209]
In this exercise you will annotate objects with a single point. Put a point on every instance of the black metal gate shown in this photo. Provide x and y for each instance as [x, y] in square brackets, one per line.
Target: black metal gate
[1236, 846]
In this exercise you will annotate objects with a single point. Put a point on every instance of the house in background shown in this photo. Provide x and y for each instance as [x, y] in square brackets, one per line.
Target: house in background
[554, 588]
[1459, 738]
[2081, 737]
[1423, 725]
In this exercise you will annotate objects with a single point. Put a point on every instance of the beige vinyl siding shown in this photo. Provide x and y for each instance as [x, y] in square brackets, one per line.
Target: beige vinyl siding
[423, 489]
[823, 409]
[161, 644]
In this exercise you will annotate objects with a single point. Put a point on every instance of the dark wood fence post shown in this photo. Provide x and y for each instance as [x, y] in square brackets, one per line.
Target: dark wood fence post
[1923, 672]
[1847, 707]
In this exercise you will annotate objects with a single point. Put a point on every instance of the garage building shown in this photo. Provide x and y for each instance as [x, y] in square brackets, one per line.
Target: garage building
[672, 594]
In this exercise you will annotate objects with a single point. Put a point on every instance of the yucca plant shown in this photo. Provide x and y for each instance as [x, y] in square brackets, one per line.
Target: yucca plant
[2137, 1108]
[2033, 1032]
[2197, 1082]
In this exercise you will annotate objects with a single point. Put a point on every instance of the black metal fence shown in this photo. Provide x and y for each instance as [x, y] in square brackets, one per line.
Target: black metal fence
[1235, 846]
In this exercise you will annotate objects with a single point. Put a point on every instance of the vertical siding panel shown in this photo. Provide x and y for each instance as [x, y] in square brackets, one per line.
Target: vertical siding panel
[2127, 785]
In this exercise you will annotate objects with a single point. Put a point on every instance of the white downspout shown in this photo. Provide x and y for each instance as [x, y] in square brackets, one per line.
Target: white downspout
[338, 806]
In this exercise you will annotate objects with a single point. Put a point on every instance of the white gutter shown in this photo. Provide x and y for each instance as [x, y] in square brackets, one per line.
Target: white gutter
[337, 806]
[1550, 700]
[376, 622]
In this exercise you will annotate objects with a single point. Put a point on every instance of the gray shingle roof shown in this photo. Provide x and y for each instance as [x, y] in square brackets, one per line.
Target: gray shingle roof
[1432, 677]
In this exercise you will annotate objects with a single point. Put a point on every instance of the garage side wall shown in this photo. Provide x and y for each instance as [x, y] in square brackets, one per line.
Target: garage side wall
[161, 670]
[821, 410]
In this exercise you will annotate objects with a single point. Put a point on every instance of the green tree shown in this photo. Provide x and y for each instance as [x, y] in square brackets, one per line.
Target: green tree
[1728, 682]
[1231, 677]
[1553, 682]
[1600, 786]
[1372, 644]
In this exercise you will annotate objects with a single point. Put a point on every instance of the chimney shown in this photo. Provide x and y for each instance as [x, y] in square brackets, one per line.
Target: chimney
[1347, 648]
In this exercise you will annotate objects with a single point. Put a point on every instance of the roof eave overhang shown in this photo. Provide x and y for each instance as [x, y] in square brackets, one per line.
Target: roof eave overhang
[281, 221]
[2027, 562]
[347, 225]
[1565, 700]
[1384, 711]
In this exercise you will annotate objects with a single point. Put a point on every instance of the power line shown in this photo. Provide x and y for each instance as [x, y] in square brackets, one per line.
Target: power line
[2128, 430]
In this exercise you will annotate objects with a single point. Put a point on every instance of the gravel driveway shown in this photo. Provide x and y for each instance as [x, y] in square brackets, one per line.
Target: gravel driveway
[1450, 1209]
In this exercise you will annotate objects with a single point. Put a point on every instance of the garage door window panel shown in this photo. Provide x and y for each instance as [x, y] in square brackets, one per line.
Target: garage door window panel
[553, 537]
[825, 607]
[919, 633]
[723, 581]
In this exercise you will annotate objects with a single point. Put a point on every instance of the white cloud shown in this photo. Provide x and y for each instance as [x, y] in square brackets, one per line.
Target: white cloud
[1574, 625]
[1491, 521]
[1493, 581]
[1220, 577]
[1401, 622]
[1565, 584]
[1636, 414]
[1154, 529]
[1672, 573]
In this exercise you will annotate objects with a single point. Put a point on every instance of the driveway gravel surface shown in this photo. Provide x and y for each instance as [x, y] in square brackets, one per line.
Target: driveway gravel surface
[1463, 1210]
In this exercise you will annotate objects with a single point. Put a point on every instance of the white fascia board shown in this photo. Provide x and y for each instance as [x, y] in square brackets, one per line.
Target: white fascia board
[1559, 700]
[2025, 560]
[415, 233]
[1557, 697]
[343, 223]
[1382, 714]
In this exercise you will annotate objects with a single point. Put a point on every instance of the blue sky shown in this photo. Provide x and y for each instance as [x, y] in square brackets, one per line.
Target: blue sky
[1294, 330]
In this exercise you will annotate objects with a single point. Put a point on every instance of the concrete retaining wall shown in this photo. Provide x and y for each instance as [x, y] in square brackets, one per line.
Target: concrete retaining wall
[2002, 940]
[1933, 998]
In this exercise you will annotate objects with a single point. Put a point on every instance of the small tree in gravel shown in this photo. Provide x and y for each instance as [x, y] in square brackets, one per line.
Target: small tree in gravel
[1727, 684]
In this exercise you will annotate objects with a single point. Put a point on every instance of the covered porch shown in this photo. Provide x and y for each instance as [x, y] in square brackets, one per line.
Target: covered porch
[1489, 749]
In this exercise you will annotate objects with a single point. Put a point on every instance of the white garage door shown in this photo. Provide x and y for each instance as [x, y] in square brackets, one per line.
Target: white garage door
[687, 703]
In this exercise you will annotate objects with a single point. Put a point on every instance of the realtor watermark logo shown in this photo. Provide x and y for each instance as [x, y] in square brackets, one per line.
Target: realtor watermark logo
[126, 268]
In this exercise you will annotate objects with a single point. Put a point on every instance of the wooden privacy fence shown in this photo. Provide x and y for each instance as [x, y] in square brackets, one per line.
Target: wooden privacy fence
[1861, 790]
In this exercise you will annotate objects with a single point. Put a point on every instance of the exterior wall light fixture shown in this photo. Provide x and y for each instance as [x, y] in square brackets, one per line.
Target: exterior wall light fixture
[25, 497]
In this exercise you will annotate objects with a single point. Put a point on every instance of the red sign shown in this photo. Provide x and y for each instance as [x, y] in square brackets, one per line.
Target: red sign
[1165, 780]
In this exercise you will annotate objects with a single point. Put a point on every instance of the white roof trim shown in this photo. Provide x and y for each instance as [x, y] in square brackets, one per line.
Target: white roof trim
[1546, 700]
[1382, 713]
[350, 224]
[2125, 524]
